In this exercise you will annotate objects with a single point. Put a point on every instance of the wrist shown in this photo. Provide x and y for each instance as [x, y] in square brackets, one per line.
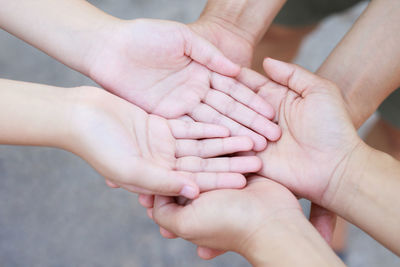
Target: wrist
[96, 41]
[274, 236]
[248, 19]
[228, 16]
[39, 114]
[82, 102]
[284, 242]
[346, 179]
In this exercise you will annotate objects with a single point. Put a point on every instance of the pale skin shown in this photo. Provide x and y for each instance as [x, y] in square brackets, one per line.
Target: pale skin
[139, 152]
[350, 178]
[368, 56]
[263, 222]
[162, 67]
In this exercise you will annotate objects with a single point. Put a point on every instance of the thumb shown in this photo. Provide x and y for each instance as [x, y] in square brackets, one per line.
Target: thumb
[205, 53]
[168, 214]
[293, 76]
[160, 181]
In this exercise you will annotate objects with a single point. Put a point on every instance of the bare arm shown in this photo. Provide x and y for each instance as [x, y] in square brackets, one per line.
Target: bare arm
[249, 18]
[33, 114]
[366, 63]
[63, 29]
[368, 195]
[288, 244]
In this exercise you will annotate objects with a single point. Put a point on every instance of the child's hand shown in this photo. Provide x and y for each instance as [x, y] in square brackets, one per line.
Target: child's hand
[148, 154]
[168, 70]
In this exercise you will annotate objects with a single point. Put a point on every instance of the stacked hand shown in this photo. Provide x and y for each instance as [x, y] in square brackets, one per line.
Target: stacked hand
[193, 105]
[149, 154]
[168, 70]
[317, 139]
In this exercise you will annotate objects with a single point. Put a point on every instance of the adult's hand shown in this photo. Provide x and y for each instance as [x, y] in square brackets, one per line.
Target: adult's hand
[314, 140]
[263, 222]
[235, 27]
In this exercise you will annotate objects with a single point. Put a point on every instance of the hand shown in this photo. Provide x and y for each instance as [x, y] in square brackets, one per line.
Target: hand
[167, 70]
[227, 38]
[229, 219]
[318, 135]
[149, 154]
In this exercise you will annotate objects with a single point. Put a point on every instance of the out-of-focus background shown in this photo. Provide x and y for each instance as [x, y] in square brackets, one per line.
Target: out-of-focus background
[56, 211]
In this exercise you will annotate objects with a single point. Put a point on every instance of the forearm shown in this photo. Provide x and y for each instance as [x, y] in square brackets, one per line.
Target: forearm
[289, 245]
[366, 63]
[33, 114]
[248, 18]
[63, 29]
[368, 195]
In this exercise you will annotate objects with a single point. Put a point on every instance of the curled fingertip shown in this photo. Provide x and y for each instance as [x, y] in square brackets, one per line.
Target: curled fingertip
[167, 234]
[146, 201]
[208, 253]
[275, 134]
[189, 191]
[150, 213]
[260, 144]
[111, 184]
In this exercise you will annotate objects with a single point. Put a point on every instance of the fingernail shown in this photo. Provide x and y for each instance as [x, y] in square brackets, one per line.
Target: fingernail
[189, 192]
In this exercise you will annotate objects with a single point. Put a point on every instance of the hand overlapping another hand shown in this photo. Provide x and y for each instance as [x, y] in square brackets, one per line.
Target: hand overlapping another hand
[229, 219]
[148, 154]
[176, 73]
[317, 135]
[168, 70]
[317, 132]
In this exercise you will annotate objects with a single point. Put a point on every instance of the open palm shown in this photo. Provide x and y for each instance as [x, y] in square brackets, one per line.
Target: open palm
[317, 133]
[167, 70]
[149, 154]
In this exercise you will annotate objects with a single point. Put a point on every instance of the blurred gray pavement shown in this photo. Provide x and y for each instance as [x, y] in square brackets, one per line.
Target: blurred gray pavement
[56, 211]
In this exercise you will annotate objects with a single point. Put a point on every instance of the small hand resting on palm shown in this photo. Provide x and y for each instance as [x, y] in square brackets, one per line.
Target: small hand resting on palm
[134, 150]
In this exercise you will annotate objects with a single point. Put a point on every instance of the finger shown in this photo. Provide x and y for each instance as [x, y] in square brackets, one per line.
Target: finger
[243, 94]
[296, 78]
[136, 189]
[185, 118]
[111, 184]
[209, 253]
[213, 147]
[252, 79]
[146, 201]
[214, 181]
[166, 213]
[196, 130]
[167, 234]
[324, 221]
[242, 114]
[265, 88]
[149, 213]
[202, 51]
[147, 178]
[205, 113]
[235, 164]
